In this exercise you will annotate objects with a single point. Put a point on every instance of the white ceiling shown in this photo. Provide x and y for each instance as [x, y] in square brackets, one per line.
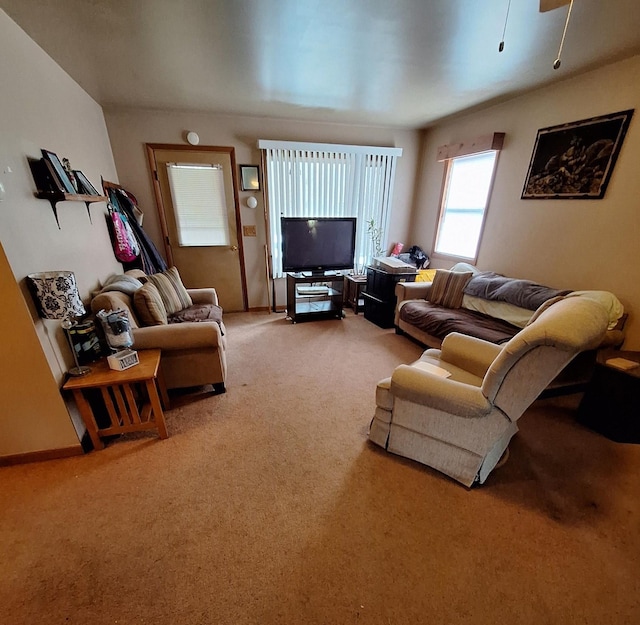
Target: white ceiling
[383, 62]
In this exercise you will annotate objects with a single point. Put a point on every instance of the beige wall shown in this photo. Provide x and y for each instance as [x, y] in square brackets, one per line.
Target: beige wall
[576, 244]
[42, 107]
[129, 130]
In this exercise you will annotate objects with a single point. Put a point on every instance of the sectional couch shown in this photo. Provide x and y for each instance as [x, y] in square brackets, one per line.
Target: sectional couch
[492, 307]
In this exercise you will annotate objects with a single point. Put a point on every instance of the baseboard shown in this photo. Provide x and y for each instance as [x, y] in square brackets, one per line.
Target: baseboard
[39, 456]
[267, 309]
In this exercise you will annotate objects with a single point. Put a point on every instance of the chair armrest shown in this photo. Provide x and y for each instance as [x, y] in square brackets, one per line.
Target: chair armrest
[203, 296]
[412, 290]
[419, 387]
[178, 336]
[469, 353]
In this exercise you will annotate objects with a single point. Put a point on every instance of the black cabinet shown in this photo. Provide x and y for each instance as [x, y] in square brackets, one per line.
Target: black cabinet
[380, 297]
[611, 403]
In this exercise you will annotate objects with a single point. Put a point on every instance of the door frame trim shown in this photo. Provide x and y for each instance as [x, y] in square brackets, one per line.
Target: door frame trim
[153, 166]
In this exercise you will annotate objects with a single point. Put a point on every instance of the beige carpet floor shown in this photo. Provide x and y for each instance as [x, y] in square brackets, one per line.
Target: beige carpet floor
[268, 505]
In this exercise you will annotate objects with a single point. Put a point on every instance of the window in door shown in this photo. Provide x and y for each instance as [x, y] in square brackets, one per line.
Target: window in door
[199, 202]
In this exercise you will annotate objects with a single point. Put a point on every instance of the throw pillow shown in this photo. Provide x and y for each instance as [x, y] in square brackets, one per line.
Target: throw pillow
[149, 306]
[172, 291]
[447, 288]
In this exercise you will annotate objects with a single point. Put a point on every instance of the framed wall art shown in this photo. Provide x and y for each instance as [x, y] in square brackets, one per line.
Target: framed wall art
[249, 178]
[575, 161]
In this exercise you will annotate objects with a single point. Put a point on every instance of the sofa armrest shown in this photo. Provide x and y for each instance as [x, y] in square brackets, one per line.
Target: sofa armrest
[178, 336]
[612, 338]
[203, 296]
[412, 290]
[419, 387]
[469, 353]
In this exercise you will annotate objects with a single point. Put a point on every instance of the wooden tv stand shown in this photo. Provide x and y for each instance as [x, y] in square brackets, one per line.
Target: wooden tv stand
[321, 305]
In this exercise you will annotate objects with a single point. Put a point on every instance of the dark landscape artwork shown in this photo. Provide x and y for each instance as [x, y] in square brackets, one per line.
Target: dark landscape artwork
[575, 161]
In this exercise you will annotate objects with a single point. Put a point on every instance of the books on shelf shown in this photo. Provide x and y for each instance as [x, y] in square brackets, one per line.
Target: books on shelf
[433, 369]
[622, 363]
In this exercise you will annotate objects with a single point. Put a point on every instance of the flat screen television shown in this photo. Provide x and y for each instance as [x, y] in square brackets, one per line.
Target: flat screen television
[318, 245]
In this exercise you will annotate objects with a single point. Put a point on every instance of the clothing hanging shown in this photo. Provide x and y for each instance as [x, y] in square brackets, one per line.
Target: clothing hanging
[149, 260]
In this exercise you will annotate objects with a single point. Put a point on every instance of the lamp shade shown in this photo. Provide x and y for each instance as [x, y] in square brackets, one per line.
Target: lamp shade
[56, 294]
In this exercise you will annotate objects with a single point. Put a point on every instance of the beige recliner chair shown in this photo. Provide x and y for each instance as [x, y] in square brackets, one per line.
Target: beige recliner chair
[462, 424]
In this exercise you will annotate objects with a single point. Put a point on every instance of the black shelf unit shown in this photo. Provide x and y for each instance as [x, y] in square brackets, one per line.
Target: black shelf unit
[304, 307]
[380, 297]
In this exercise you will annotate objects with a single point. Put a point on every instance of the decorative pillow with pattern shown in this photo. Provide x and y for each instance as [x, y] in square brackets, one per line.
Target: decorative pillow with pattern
[172, 291]
[149, 306]
[447, 288]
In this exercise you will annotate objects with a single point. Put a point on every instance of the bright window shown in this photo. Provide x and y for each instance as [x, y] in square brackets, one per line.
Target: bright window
[464, 203]
[199, 203]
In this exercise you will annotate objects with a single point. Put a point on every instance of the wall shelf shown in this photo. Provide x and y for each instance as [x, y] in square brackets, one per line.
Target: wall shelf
[58, 196]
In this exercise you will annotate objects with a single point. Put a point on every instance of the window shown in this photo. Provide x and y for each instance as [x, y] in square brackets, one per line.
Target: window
[465, 197]
[199, 203]
[327, 180]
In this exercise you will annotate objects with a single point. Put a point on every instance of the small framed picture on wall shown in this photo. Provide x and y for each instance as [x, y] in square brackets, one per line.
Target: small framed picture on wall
[249, 178]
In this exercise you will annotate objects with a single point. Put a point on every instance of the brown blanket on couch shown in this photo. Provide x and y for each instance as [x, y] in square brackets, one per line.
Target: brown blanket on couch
[439, 321]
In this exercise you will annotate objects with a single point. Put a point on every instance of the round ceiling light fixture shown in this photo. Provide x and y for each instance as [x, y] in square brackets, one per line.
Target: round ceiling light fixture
[193, 138]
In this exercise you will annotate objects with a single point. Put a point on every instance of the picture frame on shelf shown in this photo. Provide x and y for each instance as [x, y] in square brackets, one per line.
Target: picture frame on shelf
[249, 178]
[86, 188]
[42, 176]
[58, 172]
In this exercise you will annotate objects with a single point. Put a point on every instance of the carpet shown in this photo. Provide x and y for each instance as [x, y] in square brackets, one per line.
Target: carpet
[267, 505]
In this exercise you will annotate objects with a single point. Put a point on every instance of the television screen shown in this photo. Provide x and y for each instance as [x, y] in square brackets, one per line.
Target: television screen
[318, 245]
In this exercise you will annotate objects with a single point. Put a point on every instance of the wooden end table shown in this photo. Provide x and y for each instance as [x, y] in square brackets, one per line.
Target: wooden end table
[130, 397]
[353, 291]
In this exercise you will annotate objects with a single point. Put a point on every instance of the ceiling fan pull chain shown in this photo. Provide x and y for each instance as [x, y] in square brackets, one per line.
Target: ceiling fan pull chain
[501, 46]
[556, 63]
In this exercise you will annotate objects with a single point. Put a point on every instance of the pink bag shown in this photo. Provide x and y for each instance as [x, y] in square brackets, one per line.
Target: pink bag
[125, 244]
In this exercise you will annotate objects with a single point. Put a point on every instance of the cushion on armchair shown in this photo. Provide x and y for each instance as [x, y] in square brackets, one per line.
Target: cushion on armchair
[149, 306]
[172, 291]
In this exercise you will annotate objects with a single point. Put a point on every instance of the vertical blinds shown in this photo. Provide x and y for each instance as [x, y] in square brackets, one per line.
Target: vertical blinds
[327, 180]
[199, 204]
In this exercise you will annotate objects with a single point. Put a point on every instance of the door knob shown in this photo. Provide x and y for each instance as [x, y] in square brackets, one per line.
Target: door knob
[234, 248]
